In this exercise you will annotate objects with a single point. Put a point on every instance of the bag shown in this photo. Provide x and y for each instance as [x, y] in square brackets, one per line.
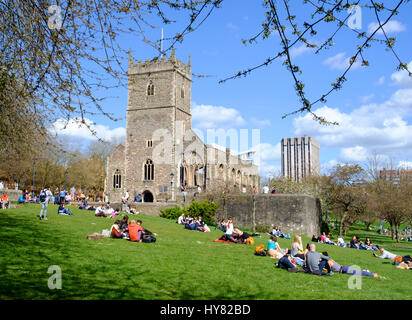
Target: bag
[260, 251]
[149, 239]
[397, 260]
[259, 248]
[250, 240]
[43, 196]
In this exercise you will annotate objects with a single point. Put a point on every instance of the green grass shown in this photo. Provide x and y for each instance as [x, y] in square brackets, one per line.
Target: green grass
[182, 264]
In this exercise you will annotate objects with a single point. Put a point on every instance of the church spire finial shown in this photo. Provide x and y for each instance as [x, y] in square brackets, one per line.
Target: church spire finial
[189, 63]
[173, 56]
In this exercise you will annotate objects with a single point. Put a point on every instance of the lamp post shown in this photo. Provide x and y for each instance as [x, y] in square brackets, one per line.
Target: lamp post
[171, 185]
[327, 201]
[65, 179]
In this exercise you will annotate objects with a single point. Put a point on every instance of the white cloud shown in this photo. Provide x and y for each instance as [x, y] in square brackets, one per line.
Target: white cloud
[341, 62]
[75, 128]
[298, 51]
[392, 26]
[380, 81]
[402, 78]
[367, 98]
[260, 123]
[354, 154]
[267, 157]
[383, 128]
[214, 117]
[405, 164]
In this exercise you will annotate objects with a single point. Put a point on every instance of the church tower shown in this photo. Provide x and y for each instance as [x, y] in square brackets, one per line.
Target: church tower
[159, 94]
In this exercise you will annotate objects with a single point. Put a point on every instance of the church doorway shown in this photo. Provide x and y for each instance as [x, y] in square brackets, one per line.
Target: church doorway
[147, 196]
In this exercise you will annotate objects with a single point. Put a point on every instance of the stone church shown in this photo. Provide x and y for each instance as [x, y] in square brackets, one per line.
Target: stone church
[162, 152]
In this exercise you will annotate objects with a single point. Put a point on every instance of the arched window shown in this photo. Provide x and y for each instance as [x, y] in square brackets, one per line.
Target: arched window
[150, 89]
[117, 179]
[149, 170]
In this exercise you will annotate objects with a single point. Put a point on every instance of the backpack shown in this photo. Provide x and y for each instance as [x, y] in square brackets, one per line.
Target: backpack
[149, 239]
[43, 195]
[260, 251]
[250, 240]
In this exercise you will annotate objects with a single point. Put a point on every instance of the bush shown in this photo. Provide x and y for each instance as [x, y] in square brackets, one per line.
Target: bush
[205, 209]
[262, 228]
[324, 227]
[172, 213]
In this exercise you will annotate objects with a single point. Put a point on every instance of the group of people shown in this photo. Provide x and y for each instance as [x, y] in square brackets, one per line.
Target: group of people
[355, 243]
[312, 261]
[133, 231]
[233, 234]
[275, 231]
[190, 223]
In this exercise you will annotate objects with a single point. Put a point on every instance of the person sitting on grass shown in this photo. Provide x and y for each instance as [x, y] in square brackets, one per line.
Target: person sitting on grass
[64, 211]
[287, 262]
[135, 231]
[116, 232]
[181, 219]
[354, 243]
[228, 236]
[296, 250]
[99, 212]
[315, 261]
[5, 201]
[341, 242]
[325, 239]
[124, 223]
[370, 246]
[274, 250]
[222, 225]
[84, 205]
[315, 238]
[337, 268]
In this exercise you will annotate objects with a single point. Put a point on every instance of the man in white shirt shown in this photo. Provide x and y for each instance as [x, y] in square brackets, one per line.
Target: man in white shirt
[124, 201]
[265, 189]
[385, 255]
[45, 195]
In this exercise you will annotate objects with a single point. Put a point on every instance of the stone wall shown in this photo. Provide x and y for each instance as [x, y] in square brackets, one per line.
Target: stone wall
[12, 194]
[295, 214]
[151, 209]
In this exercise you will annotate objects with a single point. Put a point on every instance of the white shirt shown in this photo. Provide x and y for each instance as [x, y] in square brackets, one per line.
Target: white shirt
[229, 229]
[180, 220]
[48, 195]
[340, 240]
[98, 210]
[265, 189]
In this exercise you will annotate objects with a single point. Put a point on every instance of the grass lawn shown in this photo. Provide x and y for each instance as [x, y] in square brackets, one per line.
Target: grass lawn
[182, 264]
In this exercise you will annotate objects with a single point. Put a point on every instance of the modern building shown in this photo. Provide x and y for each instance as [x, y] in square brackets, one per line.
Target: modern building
[162, 153]
[395, 175]
[300, 158]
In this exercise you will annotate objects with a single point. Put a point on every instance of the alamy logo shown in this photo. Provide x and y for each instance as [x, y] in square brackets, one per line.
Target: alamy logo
[56, 20]
[355, 20]
[55, 281]
[355, 281]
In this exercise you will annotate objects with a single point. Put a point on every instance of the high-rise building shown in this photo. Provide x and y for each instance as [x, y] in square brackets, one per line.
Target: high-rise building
[300, 158]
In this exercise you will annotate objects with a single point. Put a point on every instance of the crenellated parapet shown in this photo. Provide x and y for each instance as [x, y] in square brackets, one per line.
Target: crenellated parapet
[160, 65]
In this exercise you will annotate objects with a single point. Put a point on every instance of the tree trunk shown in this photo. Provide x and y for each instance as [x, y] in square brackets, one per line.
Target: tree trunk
[397, 233]
[391, 230]
[342, 222]
[254, 214]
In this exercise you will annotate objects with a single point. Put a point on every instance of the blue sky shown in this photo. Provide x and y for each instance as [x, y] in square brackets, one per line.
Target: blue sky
[374, 108]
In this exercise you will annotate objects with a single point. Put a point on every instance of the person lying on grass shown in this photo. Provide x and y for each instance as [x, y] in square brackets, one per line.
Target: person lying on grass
[228, 236]
[385, 255]
[337, 268]
[274, 250]
[240, 236]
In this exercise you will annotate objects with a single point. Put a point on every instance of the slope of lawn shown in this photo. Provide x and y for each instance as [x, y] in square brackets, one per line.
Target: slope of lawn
[182, 264]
